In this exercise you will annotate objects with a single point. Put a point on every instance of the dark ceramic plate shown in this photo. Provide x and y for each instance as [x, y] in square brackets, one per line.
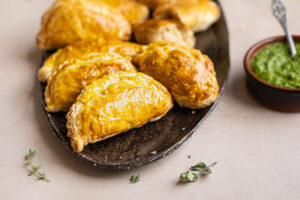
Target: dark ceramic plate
[155, 140]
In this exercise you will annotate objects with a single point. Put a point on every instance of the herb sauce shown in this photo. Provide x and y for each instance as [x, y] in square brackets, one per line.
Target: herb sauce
[274, 65]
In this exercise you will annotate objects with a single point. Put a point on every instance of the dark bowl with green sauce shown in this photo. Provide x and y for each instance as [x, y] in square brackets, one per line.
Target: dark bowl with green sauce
[272, 77]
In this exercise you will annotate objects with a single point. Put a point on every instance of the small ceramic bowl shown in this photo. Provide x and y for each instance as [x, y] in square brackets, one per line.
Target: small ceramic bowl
[277, 98]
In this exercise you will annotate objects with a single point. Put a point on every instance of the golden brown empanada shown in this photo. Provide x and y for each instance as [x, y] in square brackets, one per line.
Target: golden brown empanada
[197, 16]
[156, 3]
[66, 84]
[152, 4]
[83, 50]
[186, 72]
[133, 11]
[157, 30]
[127, 50]
[113, 104]
[68, 21]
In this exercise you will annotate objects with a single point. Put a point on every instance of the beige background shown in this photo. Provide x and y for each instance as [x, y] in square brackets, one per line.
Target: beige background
[258, 150]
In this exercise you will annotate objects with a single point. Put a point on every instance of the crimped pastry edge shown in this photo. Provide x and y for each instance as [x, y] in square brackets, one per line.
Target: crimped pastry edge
[78, 143]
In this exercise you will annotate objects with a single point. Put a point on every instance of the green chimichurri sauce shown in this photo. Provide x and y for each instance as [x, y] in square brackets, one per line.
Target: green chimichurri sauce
[274, 65]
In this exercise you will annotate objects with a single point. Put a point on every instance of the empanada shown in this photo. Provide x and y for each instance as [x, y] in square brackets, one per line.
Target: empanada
[133, 11]
[82, 51]
[155, 3]
[113, 104]
[197, 16]
[128, 50]
[66, 84]
[157, 30]
[186, 72]
[68, 21]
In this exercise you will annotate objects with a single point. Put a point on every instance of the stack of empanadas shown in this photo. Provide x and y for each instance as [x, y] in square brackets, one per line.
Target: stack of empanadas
[189, 15]
[108, 85]
[69, 21]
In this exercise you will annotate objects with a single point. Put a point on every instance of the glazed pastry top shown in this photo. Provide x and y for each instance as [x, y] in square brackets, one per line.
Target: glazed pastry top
[68, 21]
[113, 104]
[186, 72]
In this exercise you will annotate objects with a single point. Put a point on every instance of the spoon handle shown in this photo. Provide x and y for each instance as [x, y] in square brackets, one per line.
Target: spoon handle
[279, 11]
[290, 39]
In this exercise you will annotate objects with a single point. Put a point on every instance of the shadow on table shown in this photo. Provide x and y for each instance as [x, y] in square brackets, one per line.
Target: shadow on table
[238, 90]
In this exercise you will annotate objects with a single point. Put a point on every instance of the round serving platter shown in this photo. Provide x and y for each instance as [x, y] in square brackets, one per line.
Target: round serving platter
[155, 140]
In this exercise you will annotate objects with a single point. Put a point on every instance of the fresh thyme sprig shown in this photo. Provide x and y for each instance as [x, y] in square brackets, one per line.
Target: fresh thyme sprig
[35, 169]
[202, 168]
[197, 170]
[189, 176]
[135, 179]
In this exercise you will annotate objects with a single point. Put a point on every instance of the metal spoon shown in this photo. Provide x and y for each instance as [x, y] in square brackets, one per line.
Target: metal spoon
[279, 11]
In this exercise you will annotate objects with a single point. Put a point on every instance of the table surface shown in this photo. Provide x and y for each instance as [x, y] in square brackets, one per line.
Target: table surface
[257, 149]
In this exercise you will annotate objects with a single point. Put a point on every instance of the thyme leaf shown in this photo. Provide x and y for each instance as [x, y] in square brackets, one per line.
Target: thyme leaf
[200, 169]
[35, 169]
[189, 176]
[135, 179]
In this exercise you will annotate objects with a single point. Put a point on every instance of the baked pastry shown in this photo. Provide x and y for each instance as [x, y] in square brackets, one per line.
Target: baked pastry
[157, 30]
[152, 4]
[66, 84]
[68, 21]
[83, 50]
[128, 50]
[133, 11]
[156, 3]
[113, 104]
[197, 16]
[78, 50]
[186, 72]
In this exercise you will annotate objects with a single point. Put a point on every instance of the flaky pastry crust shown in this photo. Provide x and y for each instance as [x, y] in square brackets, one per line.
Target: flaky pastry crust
[152, 4]
[197, 16]
[133, 11]
[65, 84]
[113, 104]
[186, 72]
[83, 50]
[68, 21]
[156, 30]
